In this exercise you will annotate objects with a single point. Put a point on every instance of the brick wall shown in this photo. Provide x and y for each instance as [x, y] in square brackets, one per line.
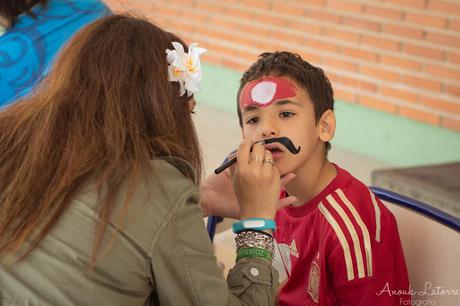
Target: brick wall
[397, 56]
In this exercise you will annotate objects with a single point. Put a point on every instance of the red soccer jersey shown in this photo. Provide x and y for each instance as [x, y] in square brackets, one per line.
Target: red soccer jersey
[341, 248]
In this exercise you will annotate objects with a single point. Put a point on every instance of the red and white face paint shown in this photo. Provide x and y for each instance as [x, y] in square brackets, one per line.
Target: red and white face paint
[266, 90]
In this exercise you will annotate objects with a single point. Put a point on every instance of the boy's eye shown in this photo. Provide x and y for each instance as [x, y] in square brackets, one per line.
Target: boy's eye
[252, 120]
[286, 114]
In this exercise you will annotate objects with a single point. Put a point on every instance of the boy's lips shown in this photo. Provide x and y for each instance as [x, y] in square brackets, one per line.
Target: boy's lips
[276, 149]
[273, 147]
[277, 155]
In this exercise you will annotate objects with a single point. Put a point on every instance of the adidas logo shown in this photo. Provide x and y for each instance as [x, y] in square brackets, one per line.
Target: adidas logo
[293, 248]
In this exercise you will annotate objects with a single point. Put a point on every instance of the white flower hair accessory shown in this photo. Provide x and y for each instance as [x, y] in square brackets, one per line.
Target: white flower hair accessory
[185, 68]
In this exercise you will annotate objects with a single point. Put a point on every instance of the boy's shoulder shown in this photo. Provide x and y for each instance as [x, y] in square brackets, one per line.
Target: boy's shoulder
[345, 205]
[364, 240]
[353, 204]
[355, 192]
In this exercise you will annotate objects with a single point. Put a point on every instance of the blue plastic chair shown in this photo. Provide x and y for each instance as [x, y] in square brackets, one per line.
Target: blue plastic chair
[211, 226]
[420, 207]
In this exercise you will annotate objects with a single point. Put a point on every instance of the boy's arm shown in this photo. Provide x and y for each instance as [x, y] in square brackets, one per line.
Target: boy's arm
[217, 197]
[384, 283]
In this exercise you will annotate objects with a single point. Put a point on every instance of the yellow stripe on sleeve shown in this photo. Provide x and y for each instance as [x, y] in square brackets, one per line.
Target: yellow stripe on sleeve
[342, 240]
[353, 234]
[365, 231]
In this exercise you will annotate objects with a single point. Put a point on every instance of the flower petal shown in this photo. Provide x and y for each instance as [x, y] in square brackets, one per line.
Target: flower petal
[185, 68]
[196, 52]
[171, 56]
[192, 85]
[179, 48]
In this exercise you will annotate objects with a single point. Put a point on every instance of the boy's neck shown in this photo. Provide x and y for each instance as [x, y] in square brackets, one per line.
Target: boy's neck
[311, 178]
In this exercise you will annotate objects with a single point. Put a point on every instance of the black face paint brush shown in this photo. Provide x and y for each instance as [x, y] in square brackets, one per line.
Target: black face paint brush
[283, 140]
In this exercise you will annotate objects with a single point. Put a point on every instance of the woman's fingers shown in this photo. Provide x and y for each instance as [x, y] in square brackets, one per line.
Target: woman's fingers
[268, 160]
[243, 153]
[257, 154]
[256, 183]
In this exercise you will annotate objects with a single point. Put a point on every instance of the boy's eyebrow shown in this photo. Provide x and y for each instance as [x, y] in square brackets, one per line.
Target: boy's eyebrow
[250, 108]
[280, 102]
[284, 102]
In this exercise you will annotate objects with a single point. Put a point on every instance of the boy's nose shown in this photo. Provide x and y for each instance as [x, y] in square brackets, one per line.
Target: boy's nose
[269, 131]
[269, 127]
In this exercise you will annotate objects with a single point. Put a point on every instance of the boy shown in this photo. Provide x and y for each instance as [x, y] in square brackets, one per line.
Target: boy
[338, 243]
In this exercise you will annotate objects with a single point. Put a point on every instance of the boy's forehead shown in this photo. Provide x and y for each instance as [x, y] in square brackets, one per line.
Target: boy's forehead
[267, 90]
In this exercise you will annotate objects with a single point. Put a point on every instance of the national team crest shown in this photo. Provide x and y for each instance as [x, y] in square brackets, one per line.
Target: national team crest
[313, 281]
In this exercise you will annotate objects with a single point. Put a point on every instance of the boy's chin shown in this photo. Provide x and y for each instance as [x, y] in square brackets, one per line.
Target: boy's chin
[284, 171]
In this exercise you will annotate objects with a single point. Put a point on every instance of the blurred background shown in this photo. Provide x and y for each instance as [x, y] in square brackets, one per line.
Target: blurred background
[394, 66]
[389, 61]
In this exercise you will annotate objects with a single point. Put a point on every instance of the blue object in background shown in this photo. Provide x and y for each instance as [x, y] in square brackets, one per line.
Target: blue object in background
[27, 50]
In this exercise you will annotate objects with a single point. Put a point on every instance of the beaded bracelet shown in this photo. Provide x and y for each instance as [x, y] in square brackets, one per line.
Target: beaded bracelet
[255, 239]
[253, 252]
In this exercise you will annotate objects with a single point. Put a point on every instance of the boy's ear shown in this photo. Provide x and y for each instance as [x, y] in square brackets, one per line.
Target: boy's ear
[326, 125]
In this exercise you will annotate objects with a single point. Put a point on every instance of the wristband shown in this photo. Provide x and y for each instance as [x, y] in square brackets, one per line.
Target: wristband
[255, 239]
[253, 252]
[253, 224]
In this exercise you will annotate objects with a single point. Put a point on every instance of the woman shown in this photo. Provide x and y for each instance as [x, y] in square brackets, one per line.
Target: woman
[99, 170]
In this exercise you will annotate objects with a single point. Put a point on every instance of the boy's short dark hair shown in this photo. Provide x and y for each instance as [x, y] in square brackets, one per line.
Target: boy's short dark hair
[282, 63]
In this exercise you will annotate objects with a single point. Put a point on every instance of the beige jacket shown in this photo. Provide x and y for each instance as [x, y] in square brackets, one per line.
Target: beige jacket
[162, 251]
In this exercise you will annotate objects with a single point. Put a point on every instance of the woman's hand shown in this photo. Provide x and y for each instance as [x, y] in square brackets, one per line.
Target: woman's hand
[217, 197]
[256, 181]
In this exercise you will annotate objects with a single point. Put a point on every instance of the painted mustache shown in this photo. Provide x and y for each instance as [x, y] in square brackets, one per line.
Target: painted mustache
[286, 142]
